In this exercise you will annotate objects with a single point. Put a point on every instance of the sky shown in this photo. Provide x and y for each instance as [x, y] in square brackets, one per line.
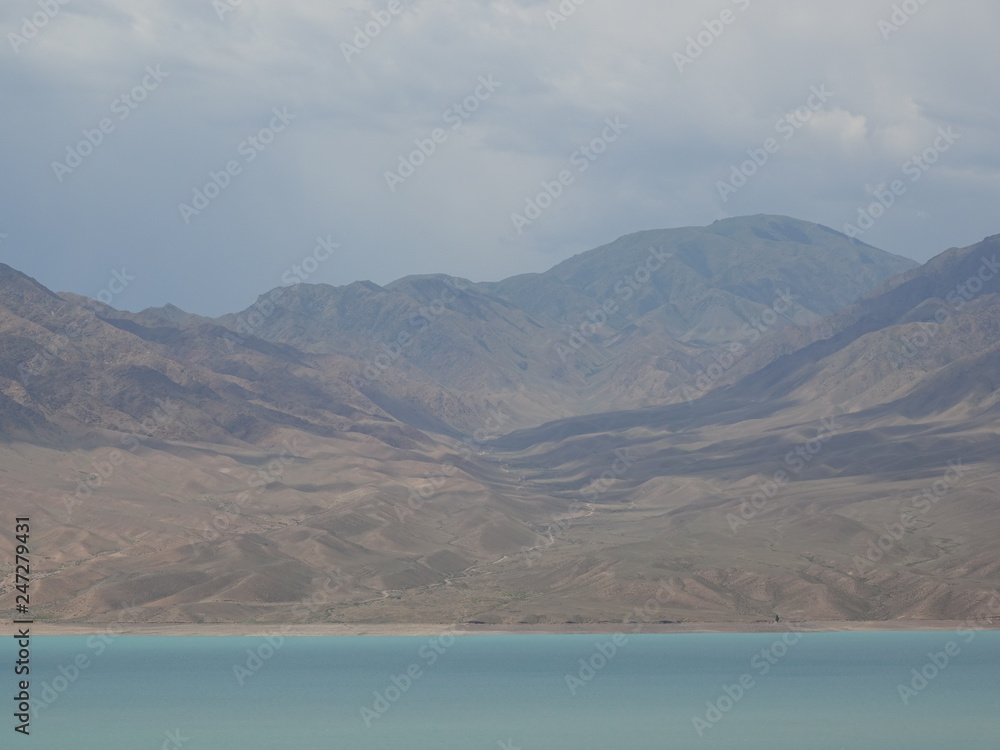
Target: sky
[203, 152]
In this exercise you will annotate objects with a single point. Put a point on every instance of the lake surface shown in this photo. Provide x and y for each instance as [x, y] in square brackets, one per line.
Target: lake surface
[822, 691]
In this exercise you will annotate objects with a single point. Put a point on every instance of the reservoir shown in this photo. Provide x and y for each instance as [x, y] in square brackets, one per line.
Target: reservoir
[773, 691]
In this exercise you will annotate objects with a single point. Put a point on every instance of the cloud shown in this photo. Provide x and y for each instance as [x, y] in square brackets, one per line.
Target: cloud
[355, 119]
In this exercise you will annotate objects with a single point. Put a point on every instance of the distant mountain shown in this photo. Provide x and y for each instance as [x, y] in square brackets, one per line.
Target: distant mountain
[628, 324]
[926, 342]
[635, 336]
[80, 366]
[739, 266]
[851, 476]
[726, 418]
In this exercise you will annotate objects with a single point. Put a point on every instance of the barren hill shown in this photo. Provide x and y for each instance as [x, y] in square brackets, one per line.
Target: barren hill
[442, 451]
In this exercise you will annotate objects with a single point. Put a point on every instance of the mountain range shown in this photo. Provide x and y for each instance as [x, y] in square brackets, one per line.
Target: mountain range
[756, 417]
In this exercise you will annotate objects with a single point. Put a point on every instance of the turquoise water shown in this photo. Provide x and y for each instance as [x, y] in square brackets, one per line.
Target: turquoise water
[816, 691]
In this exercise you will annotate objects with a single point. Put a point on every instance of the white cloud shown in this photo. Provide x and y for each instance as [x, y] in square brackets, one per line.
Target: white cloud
[355, 119]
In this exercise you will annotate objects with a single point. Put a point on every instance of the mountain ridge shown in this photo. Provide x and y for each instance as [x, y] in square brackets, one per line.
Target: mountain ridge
[215, 470]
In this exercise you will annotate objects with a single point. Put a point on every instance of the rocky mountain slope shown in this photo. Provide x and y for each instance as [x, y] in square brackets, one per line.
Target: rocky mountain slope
[429, 451]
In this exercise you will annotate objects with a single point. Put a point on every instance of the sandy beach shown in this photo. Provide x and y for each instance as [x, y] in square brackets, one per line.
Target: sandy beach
[418, 629]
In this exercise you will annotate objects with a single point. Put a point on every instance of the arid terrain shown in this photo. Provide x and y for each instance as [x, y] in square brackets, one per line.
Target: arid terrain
[699, 428]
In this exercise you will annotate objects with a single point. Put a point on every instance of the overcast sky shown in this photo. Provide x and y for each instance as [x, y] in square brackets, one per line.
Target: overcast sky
[182, 86]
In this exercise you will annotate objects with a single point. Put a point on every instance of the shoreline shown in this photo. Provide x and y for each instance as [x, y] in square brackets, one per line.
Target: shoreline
[427, 629]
